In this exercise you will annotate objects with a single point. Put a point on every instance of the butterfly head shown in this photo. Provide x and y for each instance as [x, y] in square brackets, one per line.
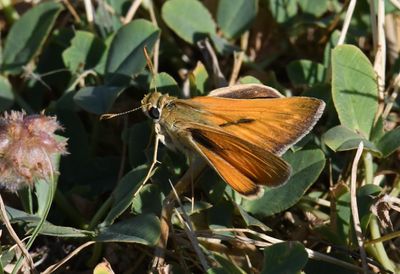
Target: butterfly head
[153, 104]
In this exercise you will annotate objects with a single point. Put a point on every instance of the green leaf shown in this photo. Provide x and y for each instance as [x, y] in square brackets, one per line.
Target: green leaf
[97, 100]
[28, 34]
[306, 165]
[143, 229]
[84, 53]
[189, 19]
[137, 137]
[251, 221]
[248, 79]
[148, 200]
[316, 8]
[198, 80]
[284, 258]
[63, 231]
[227, 265]
[354, 89]
[390, 142]
[282, 10]
[6, 94]
[364, 201]
[235, 16]
[164, 83]
[306, 72]
[196, 207]
[126, 57]
[340, 138]
[221, 214]
[42, 191]
[123, 193]
[223, 46]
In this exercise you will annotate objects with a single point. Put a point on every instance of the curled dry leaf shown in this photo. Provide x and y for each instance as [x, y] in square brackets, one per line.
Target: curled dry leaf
[381, 207]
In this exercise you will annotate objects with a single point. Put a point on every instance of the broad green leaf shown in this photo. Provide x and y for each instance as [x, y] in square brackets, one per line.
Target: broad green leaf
[164, 83]
[126, 57]
[235, 16]
[306, 72]
[6, 94]
[228, 265]
[306, 165]
[143, 229]
[248, 79]
[223, 46]
[97, 100]
[148, 200]
[364, 201]
[137, 137]
[282, 10]
[63, 231]
[333, 40]
[84, 53]
[316, 8]
[221, 214]
[28, 34]
[124, 192]
[340, 138]
[250, 220]
[42, 191]
[284, 258]
[390, 142]
[354, 89]
[16, 215]
[196, 207]
[189, 19]
[198, 80]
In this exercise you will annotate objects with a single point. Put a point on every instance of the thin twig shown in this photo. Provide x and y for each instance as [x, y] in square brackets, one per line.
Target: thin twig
[152, 166]
[354, 207]
[396, 3]
[372, 13]
[346, 24]
[187, 226]
[380, 57]
[131, 12]
[54, 267]
[211, 61]
[268, 240]
[181, 186]
[89, 11]
[392, 97]
[156, 49]
[11, 231]
[72, 10]
[238, 59]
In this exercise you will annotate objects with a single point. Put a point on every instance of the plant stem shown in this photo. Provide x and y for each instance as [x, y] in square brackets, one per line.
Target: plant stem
[50, 196]
[378, 249]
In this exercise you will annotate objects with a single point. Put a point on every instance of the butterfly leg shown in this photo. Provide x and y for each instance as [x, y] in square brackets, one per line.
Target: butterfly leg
[154, 162]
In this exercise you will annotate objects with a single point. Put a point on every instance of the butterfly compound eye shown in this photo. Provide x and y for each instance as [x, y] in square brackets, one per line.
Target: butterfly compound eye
[154, 113]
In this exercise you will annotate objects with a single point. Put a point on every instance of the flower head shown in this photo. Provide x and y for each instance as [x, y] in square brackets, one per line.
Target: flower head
[27, 144]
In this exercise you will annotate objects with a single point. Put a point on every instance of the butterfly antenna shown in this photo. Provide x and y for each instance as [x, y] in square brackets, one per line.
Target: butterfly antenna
[151, 67]
[108, 116]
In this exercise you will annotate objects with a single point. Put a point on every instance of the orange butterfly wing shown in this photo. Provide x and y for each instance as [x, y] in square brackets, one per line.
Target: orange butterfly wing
[271, 124]
[242, 165]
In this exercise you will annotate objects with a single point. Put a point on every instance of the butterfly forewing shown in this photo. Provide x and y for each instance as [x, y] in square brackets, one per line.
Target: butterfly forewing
[270, 124]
